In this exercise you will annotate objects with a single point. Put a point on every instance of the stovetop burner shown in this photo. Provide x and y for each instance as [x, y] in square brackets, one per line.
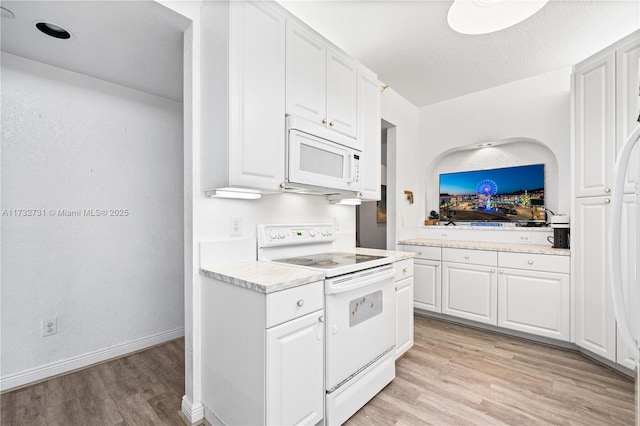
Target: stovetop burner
[329, 260]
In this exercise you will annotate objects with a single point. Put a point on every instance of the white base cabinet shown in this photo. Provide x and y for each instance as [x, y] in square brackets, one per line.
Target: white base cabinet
[295, 380]
[535, 302]
[404, 306]
[427, 277]
[263, 354]
[470, 291]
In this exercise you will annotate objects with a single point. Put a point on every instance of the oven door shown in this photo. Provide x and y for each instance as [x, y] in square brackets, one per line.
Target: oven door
[360, 321]
[319, 162]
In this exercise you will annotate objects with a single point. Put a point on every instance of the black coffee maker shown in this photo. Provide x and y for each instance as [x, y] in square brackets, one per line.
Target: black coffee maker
[561, 227]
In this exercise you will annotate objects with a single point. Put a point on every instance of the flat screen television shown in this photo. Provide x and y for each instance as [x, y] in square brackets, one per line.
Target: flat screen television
[509, 194]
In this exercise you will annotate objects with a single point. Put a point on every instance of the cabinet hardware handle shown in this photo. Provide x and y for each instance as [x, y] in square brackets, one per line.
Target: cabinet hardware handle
[404, 270]
[300, 303]
[530, 262]
[331, 124]
[324, 121]
[501, 271]
[396, 288]
[492, 271]
[437, 265]
[607, 190]
[419, 251]
[607, 200]
[321, 318]
[466, 256]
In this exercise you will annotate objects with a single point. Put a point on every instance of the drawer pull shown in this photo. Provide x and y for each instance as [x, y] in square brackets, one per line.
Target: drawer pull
[419, 251]
[501, 271]
[436, 265]
[321, 318]
[466, 256]
[404, 270]
[607, 190]
[492, 270]
[396, 288]
[300, 303]
[530, 262]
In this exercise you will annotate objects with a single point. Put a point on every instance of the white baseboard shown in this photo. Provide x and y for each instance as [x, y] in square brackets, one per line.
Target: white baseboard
[194, 412]
[36, 374]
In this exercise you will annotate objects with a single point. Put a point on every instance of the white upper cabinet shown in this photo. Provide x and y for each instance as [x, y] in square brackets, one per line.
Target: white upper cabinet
[369, 133]
[243, 95]
[594, 91]
[342, 97]
[606, 107]
[321, 83]
[306, 74]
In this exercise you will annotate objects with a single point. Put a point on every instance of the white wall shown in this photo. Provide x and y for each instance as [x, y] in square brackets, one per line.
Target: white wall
[404, 170]
[536, 108]
[74, 142]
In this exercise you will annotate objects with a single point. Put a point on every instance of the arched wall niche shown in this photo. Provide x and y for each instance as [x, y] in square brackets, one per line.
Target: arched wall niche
[517, 151]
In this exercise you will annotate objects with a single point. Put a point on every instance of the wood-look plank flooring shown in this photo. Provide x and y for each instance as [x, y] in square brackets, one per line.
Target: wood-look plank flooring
[454, 375]
[144, 388]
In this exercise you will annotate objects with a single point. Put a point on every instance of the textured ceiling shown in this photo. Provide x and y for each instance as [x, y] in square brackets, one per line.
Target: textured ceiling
[413, 50]
[137, 44]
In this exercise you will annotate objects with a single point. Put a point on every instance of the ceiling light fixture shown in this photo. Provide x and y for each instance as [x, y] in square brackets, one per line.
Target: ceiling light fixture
[53, 30]
[487, 16]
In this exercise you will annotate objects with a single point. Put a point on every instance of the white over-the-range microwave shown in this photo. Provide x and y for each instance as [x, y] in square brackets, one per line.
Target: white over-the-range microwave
[321, 160]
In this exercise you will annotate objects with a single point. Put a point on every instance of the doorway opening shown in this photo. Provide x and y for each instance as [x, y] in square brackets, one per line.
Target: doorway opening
[374, 219]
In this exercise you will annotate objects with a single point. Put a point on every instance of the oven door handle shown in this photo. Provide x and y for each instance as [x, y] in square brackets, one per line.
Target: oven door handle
[360, 282]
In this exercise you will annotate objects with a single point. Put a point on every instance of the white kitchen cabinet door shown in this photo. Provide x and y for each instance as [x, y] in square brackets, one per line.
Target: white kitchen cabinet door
[535, 302]
[629, 252]
[404, 316]
[427, 285]
[595, 321]
[295, 371]
[256, 95]
[628, 101]
[342, 96]
[306, 88]
[470, 291]
[595, 133]
[369, 133]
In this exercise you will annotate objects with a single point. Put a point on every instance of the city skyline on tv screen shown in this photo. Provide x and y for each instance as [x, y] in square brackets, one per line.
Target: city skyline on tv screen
[504, 194]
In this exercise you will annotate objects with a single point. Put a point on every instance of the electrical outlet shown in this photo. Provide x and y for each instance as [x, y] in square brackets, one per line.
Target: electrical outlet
[236, 226]
[49, 327]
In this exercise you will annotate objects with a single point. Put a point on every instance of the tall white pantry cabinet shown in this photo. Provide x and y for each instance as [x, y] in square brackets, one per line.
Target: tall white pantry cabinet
[605, 109]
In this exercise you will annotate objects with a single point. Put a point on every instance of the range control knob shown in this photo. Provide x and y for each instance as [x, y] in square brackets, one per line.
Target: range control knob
[273, 234]
[280, 234]
[312, 233]
[324, 232]
[329, 233]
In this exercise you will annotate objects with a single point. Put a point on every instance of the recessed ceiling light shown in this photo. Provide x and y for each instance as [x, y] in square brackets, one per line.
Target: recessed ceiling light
[53, 30]
[487, 16]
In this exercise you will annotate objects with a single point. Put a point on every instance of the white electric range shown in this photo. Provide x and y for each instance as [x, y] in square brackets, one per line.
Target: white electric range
[359, 312]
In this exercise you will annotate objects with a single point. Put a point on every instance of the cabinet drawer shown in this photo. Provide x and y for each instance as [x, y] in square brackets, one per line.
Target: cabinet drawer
[535, 262]
[404, 269]
[476, 257]
[288, 304]
[424, 252]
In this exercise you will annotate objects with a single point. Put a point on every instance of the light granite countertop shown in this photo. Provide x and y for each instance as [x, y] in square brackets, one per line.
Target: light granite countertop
[263, 277]
[269, 277]
[488, 245]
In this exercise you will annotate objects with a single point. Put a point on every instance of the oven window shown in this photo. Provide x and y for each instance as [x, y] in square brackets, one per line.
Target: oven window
[364, 308]
[322, 162]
